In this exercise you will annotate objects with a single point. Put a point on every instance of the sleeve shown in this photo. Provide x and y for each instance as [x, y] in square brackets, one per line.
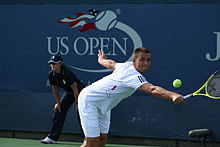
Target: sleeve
[51, 78]
[70, 78]
[118, 65]
[135, 80]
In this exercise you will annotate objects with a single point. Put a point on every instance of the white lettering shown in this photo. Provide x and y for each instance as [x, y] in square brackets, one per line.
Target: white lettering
[49, 46]
[104, 41]
[64, 46]
[86, 46]
[208, 56]
[59, 42]
[94, 42]
[84, 41]
[123, 50]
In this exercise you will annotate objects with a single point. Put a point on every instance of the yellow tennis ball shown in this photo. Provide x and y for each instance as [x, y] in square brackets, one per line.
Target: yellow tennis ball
[177, 83]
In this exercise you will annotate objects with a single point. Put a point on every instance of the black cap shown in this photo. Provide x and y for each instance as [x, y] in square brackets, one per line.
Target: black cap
[55, 60]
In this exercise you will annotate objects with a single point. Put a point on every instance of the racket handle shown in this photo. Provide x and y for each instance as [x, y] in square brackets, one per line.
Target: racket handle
[187, 96]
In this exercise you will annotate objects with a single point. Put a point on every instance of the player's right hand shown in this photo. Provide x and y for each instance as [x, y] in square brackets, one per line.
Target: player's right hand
[178, 100]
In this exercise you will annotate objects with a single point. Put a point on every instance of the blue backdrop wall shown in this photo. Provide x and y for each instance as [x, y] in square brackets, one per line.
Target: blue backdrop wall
[183, 38]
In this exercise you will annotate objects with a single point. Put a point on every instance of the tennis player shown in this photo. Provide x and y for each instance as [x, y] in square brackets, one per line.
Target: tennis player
[61, 77]
[97, 99]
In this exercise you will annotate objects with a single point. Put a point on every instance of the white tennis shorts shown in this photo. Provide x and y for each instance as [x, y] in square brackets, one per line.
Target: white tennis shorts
[92, 120]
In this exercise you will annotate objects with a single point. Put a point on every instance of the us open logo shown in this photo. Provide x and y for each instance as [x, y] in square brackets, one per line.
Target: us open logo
[104, 21]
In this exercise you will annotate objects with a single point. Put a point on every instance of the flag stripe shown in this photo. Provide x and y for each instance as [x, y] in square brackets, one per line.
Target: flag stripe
[79, 21]
[87, 27]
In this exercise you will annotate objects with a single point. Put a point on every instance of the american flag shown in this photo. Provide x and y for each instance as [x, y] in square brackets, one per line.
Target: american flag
[82, 20]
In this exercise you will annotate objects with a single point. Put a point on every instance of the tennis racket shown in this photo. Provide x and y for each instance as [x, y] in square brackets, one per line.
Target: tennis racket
[211, 86]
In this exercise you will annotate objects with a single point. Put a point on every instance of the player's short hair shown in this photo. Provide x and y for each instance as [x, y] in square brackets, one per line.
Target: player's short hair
[140, 50]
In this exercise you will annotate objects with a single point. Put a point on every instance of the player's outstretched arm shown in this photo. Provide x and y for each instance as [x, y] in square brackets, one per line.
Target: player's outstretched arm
[104, 61]
[162, 93]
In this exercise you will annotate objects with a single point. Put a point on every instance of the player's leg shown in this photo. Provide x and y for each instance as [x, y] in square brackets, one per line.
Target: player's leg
[104, 124]
[103, 139]
[81, 130]
[96, 141]
[92, 142]
[90, 120]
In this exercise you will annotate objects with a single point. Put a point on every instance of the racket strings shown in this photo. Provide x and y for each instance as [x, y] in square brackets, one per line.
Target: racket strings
[213, 86]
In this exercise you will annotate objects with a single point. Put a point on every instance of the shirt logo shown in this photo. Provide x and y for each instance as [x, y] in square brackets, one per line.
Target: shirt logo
[64, 82]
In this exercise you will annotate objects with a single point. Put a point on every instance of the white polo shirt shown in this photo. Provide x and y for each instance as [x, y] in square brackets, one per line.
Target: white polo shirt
[107, 92]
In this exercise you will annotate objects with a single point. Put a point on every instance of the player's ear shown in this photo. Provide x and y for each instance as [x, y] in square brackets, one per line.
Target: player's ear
[134, 59]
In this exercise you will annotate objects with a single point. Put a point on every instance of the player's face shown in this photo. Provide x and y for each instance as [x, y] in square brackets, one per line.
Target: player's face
[142, 62]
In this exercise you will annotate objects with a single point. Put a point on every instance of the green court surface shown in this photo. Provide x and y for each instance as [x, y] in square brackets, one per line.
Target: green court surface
[12, 142]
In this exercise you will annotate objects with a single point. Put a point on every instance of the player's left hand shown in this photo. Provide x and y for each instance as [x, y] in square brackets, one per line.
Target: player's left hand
[101, 54]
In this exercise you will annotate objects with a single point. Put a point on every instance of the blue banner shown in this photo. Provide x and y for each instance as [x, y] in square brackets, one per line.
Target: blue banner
[184, 40]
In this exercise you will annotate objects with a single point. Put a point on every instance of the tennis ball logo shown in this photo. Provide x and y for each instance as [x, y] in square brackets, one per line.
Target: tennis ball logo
[106, 20]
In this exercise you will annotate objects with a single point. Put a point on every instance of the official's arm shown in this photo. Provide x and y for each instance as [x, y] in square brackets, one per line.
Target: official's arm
[57, 97]
[75, 91]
